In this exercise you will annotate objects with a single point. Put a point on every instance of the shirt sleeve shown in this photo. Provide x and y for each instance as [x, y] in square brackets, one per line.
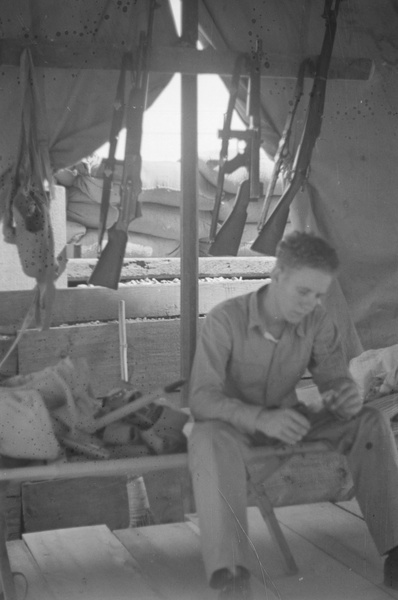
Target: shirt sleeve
[207, 397]
[328, 364]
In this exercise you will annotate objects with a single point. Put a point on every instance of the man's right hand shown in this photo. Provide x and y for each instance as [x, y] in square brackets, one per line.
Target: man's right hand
[284, 424]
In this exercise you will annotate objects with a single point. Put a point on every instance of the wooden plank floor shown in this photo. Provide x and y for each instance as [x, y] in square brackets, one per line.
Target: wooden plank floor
[331, 544]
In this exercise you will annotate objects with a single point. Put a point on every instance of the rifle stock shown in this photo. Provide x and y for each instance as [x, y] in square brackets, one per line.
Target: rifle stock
[109, 266]
[272, 231]
[228, 238]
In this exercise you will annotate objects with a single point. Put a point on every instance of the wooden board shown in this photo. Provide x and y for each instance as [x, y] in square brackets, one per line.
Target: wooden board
[338, 533]
[168, 493]
[63, 503]
[170, 554]
[145, 300]
[254, 267]
[22, 561]
[75, 502]
[320, 575]
[153, 352]
[165, 562]
[13, 510]
[166, 59]
[89, 563]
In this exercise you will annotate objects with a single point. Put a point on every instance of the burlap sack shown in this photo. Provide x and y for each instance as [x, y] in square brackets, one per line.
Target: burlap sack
[25, 426]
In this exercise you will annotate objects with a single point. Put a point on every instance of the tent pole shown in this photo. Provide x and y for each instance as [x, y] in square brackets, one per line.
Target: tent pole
[189, 210]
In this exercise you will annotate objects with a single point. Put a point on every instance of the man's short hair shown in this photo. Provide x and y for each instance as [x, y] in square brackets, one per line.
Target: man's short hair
[298, 250]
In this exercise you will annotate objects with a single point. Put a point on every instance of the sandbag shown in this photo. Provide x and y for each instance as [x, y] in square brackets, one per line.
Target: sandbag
[38, 407]
[139, 245]
[164, 221]
[88, 214]
[233, 180]
[161, 174]
[174, 198]
[254, 208]
[25, 426]
[88, 189]
[74, 232]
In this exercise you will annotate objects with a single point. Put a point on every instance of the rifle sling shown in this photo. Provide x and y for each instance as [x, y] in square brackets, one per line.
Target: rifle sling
[226, 132]
[116, 125]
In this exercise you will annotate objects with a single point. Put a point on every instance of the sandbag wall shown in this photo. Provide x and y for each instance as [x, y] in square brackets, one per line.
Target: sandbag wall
[157, 232]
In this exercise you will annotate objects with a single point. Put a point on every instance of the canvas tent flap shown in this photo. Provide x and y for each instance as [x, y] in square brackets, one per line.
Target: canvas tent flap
[78, 101]
[351, 193]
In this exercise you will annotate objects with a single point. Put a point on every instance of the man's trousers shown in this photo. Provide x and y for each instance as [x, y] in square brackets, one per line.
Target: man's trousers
[219, 458]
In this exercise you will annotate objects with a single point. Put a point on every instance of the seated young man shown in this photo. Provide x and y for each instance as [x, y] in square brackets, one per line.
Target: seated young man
[252, 352]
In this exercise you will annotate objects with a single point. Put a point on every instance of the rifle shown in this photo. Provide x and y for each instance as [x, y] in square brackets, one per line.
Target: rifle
[108, 268]
[272, 230]
[228, 238]
[225, 135]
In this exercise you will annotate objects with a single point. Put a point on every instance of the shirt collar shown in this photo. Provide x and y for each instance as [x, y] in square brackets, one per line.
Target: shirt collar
[255, 319]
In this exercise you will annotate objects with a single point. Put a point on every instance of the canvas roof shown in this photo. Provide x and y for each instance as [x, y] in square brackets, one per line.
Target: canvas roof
[350, 196]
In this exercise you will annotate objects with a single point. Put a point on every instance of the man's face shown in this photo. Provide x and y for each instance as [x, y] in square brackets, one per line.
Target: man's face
[299, 291]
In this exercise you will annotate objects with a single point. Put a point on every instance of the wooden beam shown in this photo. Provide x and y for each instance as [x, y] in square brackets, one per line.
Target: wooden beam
[148, 464]
[190, 60]
[167, 59]
[189, 206]
[252, 267]
[88, 304]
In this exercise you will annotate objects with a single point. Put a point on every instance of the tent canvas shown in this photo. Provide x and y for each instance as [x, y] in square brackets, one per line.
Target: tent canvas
[350, 194]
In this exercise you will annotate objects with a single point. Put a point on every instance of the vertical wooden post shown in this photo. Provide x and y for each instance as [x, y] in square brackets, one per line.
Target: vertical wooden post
[189, 210]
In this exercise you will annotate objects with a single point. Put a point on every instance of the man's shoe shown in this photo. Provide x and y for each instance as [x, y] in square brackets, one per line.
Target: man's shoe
[233, 587]
[391, 571]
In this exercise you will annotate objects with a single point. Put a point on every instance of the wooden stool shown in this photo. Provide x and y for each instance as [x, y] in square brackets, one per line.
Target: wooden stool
[267, 511]
[260, 498]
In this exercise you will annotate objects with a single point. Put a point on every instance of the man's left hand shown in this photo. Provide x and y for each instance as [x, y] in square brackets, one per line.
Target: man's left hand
[344, 400]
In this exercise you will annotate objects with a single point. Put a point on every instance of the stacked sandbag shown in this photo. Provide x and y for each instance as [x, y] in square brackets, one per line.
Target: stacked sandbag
[138, 245]
[156, 232]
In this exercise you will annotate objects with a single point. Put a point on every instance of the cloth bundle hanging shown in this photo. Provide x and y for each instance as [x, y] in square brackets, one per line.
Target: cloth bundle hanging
[27, 220]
